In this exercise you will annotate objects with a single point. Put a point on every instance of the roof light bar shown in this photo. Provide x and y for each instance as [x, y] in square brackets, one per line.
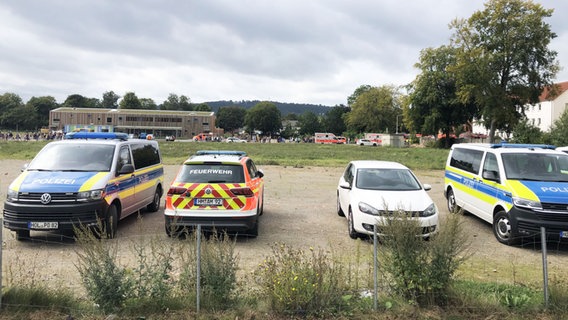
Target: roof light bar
[96, 135]
[522, 145]
[220, 153]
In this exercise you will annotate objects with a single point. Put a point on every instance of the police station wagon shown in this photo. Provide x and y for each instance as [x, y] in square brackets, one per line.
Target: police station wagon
[89, 179]
[517, 188]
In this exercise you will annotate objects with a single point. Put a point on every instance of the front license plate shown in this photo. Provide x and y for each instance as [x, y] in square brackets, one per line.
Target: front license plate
[208, 202]
[43, 225]
[563, 234]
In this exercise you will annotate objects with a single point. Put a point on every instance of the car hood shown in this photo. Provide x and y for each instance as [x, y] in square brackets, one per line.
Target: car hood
[414, 200]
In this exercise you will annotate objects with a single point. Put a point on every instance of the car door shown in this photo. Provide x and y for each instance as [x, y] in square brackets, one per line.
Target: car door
[126, 182]
[487, 187]
[344, 193]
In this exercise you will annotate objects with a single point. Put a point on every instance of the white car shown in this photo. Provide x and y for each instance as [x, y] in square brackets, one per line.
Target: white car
[366, 142]
[235, 139]
[369, 191]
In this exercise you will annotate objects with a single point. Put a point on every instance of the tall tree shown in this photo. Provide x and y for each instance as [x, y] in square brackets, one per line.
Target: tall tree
[8, 103]
[148, 104]
[309, 123]
[333, 121]
[264, 116]
[504, 62]
[110, 100]
[79, 101]
[42, 106]
[130, 101]
[433, 102]
[230, 118]
[375, 110]
[359, 91]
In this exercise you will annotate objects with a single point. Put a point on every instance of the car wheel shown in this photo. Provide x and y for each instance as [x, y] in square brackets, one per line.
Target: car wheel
[22, 235]
[352, 233]
[155, 204]
[503, 230]
[452, 206]
[111, 222]
[173, 229]
[339, 211]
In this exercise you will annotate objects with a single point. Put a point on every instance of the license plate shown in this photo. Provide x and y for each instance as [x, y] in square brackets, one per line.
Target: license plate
[43, 225]
[563, 234]
[208, 202]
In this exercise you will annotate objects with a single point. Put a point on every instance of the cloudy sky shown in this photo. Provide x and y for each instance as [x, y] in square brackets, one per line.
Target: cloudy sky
[299, 51]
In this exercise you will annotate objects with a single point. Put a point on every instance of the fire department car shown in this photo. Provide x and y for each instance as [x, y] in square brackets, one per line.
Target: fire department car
[221, 190]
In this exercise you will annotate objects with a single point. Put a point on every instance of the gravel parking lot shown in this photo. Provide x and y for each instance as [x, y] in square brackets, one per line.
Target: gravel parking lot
[299, 210]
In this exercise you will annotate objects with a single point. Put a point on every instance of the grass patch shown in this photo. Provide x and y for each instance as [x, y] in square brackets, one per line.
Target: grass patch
[283, 154]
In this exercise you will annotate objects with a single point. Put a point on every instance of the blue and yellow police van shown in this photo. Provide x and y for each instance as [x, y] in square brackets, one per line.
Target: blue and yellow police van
[89, 179]
[518, 188]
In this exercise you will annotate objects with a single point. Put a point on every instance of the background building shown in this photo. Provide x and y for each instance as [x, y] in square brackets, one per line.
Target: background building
[160, 123]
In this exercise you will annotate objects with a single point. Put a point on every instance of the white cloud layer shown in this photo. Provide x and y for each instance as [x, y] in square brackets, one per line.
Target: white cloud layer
[301, 51]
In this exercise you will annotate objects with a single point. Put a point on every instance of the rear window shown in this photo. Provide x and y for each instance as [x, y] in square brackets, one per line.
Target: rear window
[211, 173]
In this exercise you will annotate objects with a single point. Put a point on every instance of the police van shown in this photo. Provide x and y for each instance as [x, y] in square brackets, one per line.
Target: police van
[90, 179]
[518, 188]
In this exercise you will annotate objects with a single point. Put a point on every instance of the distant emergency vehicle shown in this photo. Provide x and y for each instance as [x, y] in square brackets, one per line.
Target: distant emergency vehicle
[325, 138]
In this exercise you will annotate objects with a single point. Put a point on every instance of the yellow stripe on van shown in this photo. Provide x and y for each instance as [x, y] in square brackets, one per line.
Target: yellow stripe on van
[88, 185]
[17, 183]
[520, 190]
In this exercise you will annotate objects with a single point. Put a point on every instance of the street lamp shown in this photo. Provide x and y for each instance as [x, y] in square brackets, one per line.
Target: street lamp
[398, 115]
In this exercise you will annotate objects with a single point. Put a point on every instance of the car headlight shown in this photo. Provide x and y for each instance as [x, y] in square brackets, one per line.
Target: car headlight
[90, 195]
[527, 204]
[430, 211]
[368, 209]
[12, 195]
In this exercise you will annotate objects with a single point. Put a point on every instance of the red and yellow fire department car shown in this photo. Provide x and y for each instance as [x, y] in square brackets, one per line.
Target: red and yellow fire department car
[221, 190]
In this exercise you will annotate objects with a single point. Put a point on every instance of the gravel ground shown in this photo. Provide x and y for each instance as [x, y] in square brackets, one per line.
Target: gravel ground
[299, 211]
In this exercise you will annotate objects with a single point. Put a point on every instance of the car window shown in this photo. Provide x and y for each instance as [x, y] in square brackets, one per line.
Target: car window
[535, 166]
[251, 169]
[348, 174]
[123, 157]
[465, 159]
[211, 173]
[386, 179]
[491, 164]
[74, 157]
[145, 155]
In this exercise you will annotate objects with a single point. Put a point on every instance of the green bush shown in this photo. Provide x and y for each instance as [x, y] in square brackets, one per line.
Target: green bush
[421, 271]
[218, 270]
[106, 282]
[302, 283]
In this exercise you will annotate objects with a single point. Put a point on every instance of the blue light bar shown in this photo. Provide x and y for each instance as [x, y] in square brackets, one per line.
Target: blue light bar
[96, 135]
[220, 152]
[523, 145]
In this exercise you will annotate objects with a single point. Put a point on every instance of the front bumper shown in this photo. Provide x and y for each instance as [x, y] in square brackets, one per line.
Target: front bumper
[18, 216]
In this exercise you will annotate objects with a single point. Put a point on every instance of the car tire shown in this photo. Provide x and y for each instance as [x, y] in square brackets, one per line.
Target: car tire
[502, 229]
[22, 235]
[339, 210]
[451, 201]
[111, 222]
[262, 205]
[155, 204]
[351, 229]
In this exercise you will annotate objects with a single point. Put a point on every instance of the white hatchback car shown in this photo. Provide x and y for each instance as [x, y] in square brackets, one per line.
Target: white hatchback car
[366, 142]
[370, 191]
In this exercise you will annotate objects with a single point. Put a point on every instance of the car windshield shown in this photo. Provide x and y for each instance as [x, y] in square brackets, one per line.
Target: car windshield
[73, 157]
[211, 173]
[386, 179]
[536, 166]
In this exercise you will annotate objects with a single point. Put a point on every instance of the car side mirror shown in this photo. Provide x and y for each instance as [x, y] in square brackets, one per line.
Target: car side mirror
[260, 173]
[126, 169]
[427, 187]
[345, 185]
[490, 175]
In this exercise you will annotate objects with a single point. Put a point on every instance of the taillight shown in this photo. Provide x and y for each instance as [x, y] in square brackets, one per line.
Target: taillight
[176, 190]
[247, 192]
